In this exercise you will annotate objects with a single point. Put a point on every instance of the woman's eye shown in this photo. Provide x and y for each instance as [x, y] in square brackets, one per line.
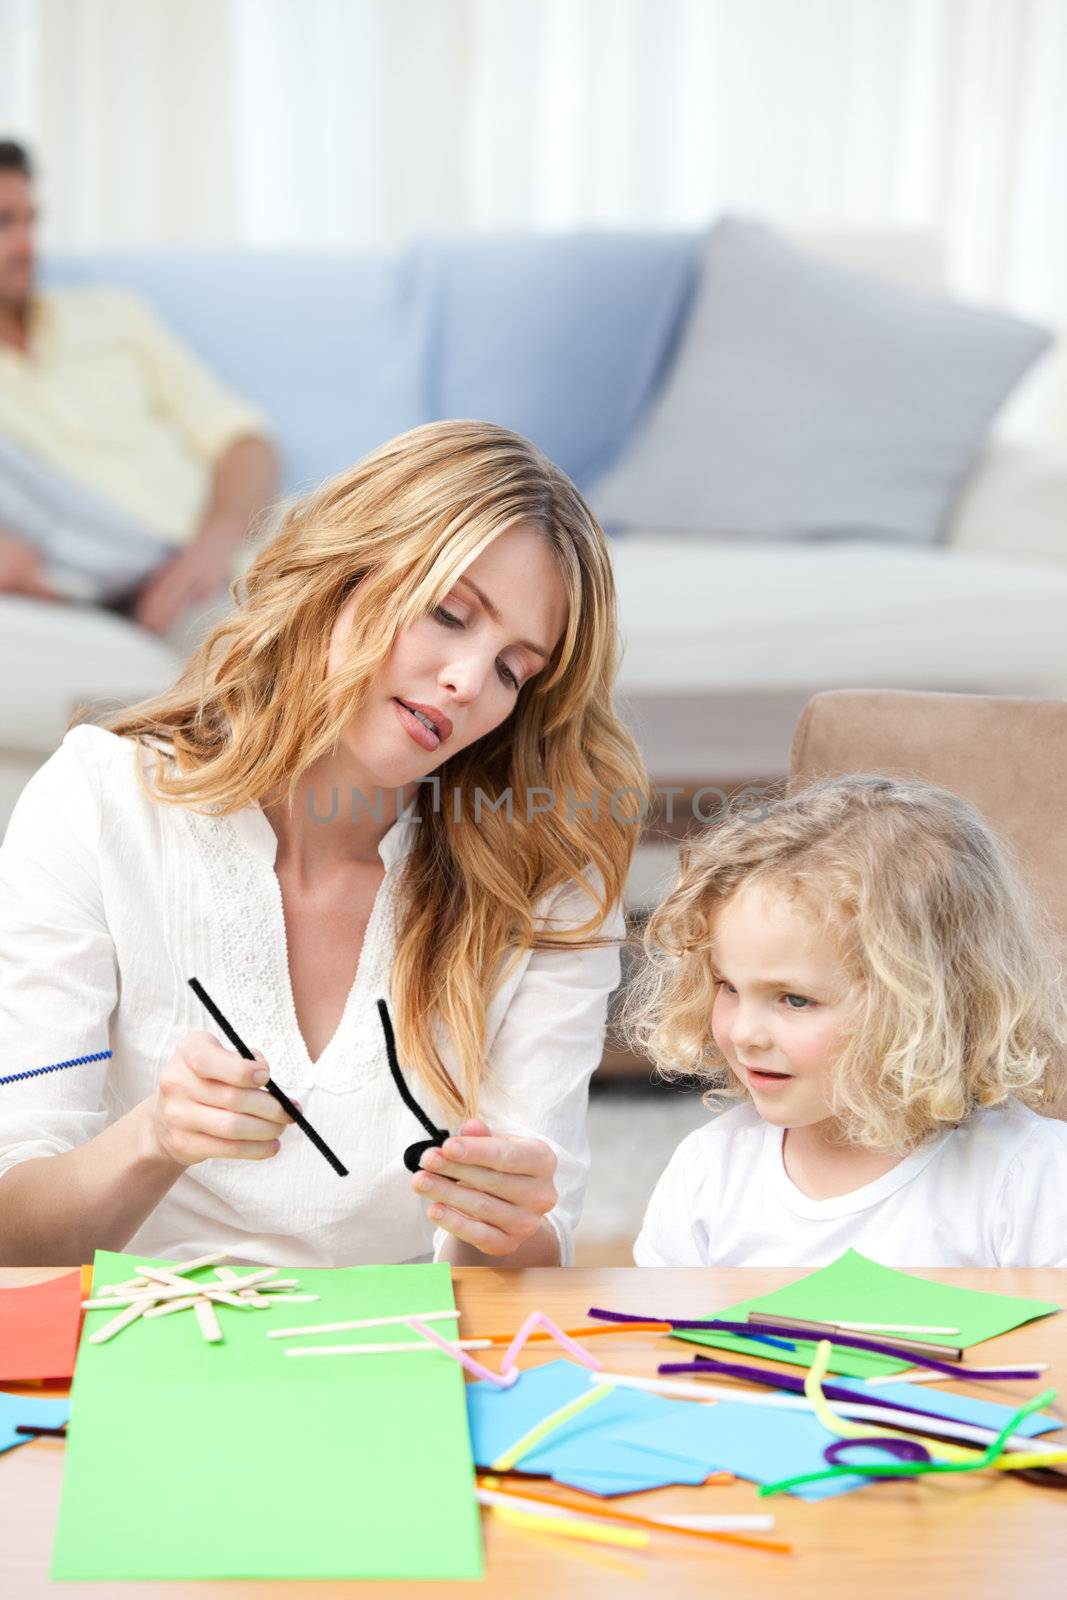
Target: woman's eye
[804, 1002]
[448, 620]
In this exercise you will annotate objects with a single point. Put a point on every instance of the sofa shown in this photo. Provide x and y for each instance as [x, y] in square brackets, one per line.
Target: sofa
[569, 339]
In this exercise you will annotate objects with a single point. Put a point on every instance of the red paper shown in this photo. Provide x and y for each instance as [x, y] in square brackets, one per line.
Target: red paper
[39, 1325]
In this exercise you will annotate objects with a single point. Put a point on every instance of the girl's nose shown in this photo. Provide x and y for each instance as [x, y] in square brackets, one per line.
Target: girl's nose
[750, 1031]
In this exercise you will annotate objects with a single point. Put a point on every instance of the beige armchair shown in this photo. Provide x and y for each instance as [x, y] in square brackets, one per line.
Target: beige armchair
[1007, 756]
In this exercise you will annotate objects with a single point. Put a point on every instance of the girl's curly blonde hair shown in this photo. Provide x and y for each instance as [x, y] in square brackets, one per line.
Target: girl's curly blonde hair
[956, 997]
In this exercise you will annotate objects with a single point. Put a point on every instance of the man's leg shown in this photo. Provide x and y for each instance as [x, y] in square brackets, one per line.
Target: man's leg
[91, 551]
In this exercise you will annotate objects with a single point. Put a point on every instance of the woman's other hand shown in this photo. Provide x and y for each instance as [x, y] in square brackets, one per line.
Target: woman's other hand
[493, 1192]
[210, 1106]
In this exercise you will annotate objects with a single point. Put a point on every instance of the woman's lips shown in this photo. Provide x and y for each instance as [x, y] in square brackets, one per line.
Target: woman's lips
[422, 735]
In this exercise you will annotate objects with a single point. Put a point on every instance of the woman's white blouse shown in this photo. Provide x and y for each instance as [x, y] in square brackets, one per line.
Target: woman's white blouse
[110, 902]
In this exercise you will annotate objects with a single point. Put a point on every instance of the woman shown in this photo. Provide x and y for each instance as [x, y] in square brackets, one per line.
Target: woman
[393, 771]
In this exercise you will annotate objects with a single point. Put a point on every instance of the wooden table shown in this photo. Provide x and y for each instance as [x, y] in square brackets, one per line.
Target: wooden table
[983, 1536]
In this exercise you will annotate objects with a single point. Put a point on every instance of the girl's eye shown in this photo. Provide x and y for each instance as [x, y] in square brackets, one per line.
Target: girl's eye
[804, 1002]
[722, 983]
[447, 620]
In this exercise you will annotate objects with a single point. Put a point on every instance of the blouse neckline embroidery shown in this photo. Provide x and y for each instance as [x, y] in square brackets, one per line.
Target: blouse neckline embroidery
[238, 852]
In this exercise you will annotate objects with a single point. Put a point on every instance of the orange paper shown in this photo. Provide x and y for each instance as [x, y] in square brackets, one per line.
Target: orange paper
[39, 1325]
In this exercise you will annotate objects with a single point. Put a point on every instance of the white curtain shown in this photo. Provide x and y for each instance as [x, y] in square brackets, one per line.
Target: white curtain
[348, 124]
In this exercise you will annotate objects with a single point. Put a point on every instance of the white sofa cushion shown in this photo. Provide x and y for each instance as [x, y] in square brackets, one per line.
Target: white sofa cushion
[54, 657]
[702, 615]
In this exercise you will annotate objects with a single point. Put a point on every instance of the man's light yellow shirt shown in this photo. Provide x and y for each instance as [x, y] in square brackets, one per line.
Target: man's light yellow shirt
[115, 402]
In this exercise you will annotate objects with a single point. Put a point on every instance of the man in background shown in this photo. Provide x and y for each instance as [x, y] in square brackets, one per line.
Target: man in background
[129, 474]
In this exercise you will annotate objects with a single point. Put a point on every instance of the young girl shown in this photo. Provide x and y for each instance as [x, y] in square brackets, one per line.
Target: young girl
[886, 1007]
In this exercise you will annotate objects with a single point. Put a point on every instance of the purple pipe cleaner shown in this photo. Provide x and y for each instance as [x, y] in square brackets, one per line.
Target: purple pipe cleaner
[903, 1449]
[849, 1341]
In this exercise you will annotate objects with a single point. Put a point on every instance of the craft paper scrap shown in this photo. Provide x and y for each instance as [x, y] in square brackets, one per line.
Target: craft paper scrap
[20, 1410]
[584, 1447]
[39, 1329]
[755, 1442]
[231, 1461]
[856, 1289]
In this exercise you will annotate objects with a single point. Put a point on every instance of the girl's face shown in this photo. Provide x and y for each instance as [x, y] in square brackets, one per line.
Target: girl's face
[463, 664]
[779, 1014]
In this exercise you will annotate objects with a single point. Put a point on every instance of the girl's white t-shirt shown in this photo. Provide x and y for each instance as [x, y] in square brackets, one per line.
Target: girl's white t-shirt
[990, 1193]
[110, 901]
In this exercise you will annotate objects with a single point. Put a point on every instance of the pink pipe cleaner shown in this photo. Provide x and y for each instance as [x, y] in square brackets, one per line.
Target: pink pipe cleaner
[502, 1380]
[535, 1320]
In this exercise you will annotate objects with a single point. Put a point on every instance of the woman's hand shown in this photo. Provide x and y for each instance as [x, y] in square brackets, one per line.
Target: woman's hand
[209, 1106]
[492, 1192]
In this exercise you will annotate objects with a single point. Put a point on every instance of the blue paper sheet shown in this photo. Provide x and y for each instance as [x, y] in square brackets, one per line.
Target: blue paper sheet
[760, 1443]
[585, 1448]
[18, 1410]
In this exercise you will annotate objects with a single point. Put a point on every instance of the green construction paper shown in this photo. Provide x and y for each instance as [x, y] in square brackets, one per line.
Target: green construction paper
[194, 1460]
[856, 1289]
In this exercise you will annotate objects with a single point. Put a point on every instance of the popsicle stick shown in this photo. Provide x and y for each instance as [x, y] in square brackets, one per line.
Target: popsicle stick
[116, 1325]
[231, 1280]
[364, 1322]
[165, 1307]
[698, 1522]
[221, 1296]
[181, 1266]
[172, 1279]
[249, 1280]
[155, 1291]
[209, 1322]
[891, 1327]
[161, 1294]
[383, 1349]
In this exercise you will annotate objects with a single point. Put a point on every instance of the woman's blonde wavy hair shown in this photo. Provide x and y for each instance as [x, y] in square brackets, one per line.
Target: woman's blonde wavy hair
[955, 983]
[254, 707]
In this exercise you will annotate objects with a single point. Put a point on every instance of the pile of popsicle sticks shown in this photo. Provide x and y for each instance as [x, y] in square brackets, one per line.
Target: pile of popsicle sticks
[160, 1291]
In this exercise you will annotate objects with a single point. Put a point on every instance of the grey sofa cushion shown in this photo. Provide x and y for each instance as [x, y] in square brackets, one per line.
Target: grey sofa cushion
[807, 400]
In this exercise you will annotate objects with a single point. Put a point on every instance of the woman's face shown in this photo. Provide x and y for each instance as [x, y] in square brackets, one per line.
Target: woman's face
[461, 666]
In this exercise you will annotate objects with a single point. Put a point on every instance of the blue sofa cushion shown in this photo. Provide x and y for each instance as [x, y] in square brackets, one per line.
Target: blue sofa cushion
[332, 348]
[562, 337]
